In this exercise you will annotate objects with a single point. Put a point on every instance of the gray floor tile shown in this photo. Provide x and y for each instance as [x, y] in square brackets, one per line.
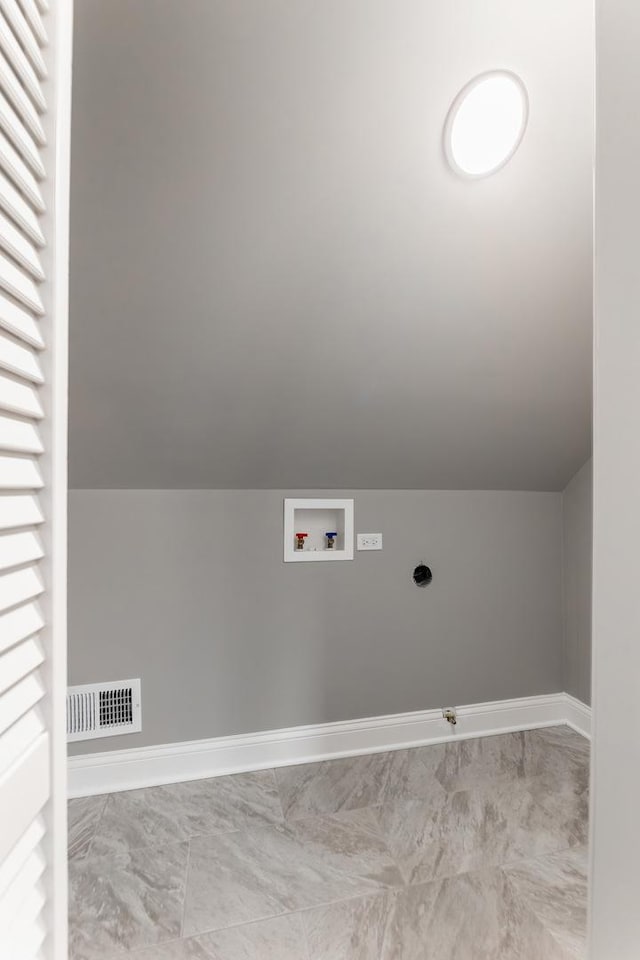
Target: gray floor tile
[413, 774]
[563, 736]
[83, 815]
[264, 872]
[565, 799]
[555, 889]
[313, 789]
[475, 916]
[282, 938]
[178, 811]
[470, 830]
[558, 752]
[478, 829]
[472, 763]
[353, 783]
[558, 759]
[127, 900]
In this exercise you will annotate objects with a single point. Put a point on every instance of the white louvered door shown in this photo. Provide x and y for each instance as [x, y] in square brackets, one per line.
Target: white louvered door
[35, 55]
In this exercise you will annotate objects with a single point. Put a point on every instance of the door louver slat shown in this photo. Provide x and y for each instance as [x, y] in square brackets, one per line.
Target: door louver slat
[25, 791]
[14, 242]
[19, 322]
[17, 587]
[19, 436]
[19, 624]
[19, 548]
[21, 852]
[19, 699]
[19, 511]
[19, 473]
[33, 18]
[18, 60]
[21, 873]
[27, 877]
[18, 359]
[15, 167]
[23, 32]
[19, 662]
[25, 924]
[29, 857]
[20, 137]
[19, 285]
[19, 210]
[19, 737]
[20, 101]
[20, 398]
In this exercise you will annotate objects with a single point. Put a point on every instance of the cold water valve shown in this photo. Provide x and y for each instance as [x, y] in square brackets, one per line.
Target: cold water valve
[331, 540]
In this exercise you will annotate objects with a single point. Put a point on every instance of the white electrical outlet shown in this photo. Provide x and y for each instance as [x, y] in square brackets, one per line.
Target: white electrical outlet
[369, 541]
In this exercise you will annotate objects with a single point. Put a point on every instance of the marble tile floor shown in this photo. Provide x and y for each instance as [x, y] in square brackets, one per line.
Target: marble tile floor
[469, 850]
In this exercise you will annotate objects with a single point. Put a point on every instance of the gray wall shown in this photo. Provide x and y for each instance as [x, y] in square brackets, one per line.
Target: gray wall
[576, 556]
[277, 281]
[188, 591]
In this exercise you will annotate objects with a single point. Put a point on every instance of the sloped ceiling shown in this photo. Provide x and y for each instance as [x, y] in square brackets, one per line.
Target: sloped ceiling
[276, 281]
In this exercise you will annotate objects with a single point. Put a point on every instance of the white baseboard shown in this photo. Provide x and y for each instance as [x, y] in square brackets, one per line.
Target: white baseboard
[116, 770]
[578, 715]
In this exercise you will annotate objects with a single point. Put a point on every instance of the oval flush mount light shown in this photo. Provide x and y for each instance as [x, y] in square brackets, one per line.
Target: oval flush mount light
[486, 123]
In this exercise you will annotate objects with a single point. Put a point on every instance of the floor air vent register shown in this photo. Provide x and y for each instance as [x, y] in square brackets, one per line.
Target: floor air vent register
[103, 709]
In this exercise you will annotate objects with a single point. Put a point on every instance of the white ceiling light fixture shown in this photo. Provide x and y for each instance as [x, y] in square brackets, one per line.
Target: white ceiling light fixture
[486, 124]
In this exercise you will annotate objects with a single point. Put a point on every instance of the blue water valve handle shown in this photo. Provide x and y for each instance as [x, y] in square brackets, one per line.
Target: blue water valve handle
[330, 539]
[331, 534]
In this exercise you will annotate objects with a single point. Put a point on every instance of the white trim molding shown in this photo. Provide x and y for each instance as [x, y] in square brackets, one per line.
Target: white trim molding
[578, 715]
[115, 770]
